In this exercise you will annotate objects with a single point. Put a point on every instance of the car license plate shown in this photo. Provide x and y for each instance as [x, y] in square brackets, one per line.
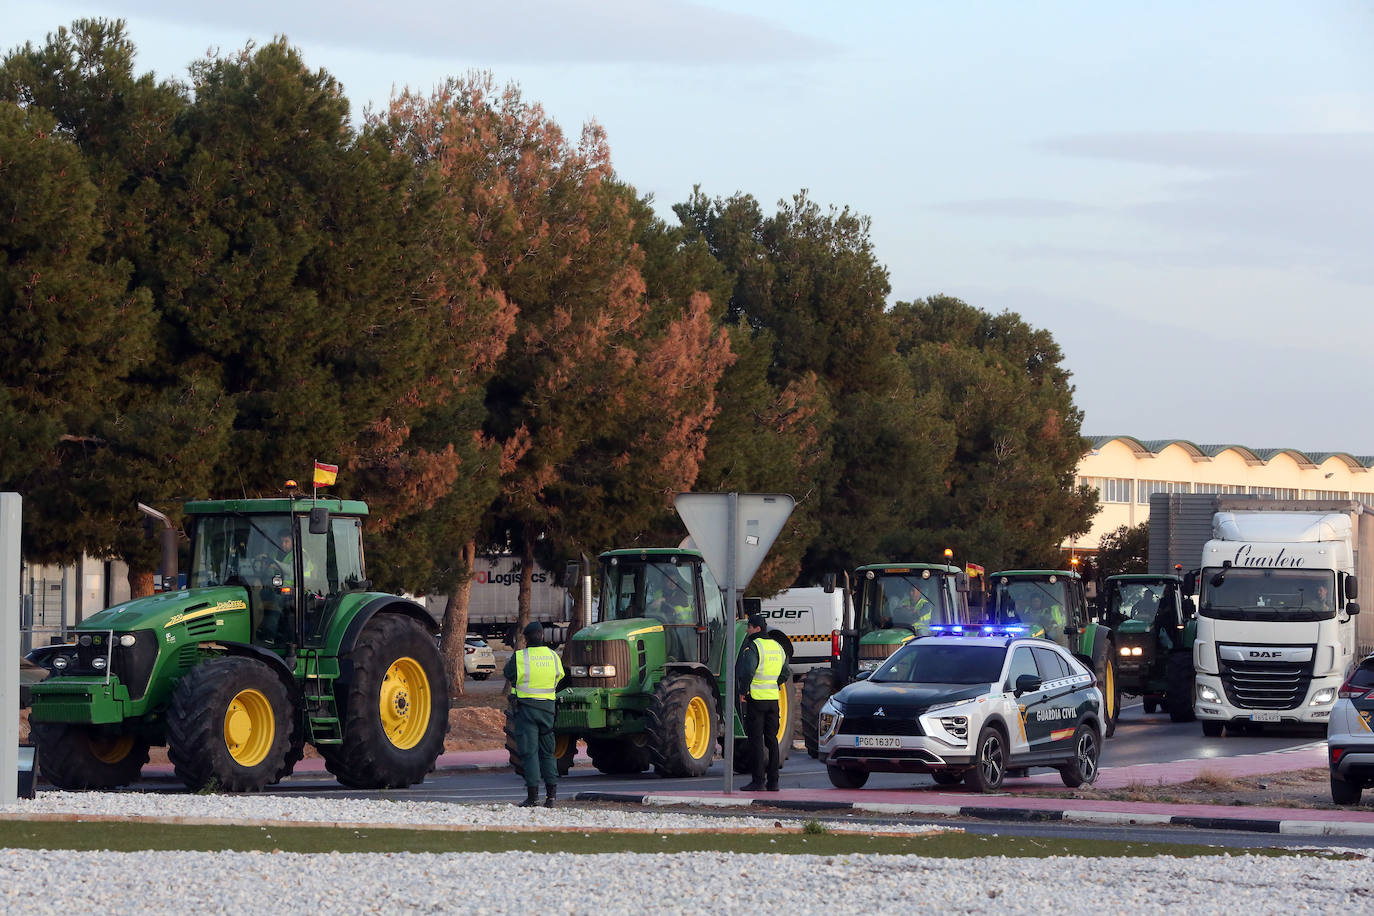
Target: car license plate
[1265, 717]
[876, 741]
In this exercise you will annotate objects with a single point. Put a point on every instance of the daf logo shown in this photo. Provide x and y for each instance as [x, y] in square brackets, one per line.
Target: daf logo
[880, 712]
[1254, 653]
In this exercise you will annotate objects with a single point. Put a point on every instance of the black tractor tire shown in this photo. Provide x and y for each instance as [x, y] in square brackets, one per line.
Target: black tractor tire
[819, 685]
[480, 676]
[1179, 676]
[79, 757]
[564, 746]
[230, 726]
[620, 756]
[1150, 704]
[1213, 729]
[787, 729]
[683, 726]
[1345, 793]
[989, 761]
[842, 778]
[394, 708]
[947, 777]
[1111, 690]
[1087, 749]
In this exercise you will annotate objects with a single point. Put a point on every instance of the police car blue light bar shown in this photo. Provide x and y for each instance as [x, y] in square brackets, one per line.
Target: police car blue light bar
[941, 629]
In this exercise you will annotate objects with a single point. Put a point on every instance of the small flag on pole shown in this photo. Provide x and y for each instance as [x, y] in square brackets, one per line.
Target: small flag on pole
[325, 474]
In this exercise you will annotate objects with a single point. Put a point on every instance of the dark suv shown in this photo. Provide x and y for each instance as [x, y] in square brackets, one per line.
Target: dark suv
[1350, 736]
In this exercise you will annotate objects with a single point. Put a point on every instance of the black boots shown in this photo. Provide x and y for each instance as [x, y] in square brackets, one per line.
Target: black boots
[551, 793]
[531, 797]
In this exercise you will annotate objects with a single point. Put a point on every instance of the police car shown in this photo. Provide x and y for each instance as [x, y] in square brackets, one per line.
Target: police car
[966, 703]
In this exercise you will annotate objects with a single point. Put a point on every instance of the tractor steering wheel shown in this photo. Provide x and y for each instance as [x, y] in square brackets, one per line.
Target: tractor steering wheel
[264, 568]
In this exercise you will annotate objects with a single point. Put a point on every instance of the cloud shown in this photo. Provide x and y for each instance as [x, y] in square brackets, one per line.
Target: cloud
[1015, 208]
[515, 31]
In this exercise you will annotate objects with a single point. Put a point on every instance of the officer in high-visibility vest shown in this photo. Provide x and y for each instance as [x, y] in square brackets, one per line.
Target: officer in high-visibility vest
[534, 673]
[762, 674]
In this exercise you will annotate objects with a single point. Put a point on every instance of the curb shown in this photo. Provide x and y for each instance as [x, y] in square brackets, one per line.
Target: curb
[1246, 824]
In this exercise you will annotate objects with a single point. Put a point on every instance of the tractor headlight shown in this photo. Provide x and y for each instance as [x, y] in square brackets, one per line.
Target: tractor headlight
[127, 640]
[1127, 651]
[60, 662]
[870, 664]
[578, 670]
[601, 671]
[84, 640]
[1322, 697]
[98, 663]
[1208, 694]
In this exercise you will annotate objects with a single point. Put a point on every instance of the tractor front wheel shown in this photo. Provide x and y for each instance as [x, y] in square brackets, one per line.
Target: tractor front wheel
[395, 707]
[617, 756]
[820, 685]
[229, 726]
[683, 726]
[81, 757]
[1179, 676]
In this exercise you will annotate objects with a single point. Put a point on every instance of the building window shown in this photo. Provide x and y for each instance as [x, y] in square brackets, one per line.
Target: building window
[1325, 494]
[1274, 492]
[1145, 488]
[1366, 498]
[1219, 489]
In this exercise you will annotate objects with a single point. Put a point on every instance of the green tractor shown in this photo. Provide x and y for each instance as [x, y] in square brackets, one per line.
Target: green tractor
[1050, 604]
[897, 602]
[645, 682]
[276, 641]
[1154, 626]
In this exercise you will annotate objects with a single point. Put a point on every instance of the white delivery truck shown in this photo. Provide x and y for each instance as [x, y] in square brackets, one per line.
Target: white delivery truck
[807, 616]
[1276, 610]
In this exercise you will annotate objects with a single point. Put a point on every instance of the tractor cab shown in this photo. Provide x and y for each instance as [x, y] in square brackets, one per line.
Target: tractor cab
[897, 602]
[1048, 603]
[294, 560]
[672, 589]
[1155, 626]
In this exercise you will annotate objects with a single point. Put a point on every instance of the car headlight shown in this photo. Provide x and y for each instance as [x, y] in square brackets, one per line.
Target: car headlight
[828, 722]
[601, 671]
[1208, 694]
[956, 726]
[578, 670]
[1322, 697]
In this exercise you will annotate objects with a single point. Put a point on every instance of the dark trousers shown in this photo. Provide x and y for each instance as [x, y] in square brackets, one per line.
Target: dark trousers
[761, 718]
[534, 741]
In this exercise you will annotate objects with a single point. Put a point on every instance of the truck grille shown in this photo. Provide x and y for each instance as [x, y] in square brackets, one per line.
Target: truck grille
[598, 652]
[1265, 685]
[879, 725]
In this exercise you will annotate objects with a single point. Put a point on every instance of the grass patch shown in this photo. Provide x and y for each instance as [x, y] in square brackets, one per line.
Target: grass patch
[1215, 781]
[131, 837]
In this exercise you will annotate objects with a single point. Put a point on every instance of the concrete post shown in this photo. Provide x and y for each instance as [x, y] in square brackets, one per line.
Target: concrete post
[10, 585]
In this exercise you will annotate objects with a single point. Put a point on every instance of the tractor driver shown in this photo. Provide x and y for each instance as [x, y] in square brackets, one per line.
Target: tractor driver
[1050, 619]
[911, 610]
[673, 606]
[277, 624]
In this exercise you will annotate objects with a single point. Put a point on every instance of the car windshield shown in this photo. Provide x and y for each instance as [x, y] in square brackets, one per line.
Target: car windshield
[921, 662]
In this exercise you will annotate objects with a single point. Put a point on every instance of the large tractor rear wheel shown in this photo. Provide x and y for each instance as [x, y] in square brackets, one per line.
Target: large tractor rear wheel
[1179, 676]
[395, 708]
[683, 726]
[820, 685]
[81, 757]
[1111, 690]
[229, 726]
[564, 746]
[617, 756]
[787, 728]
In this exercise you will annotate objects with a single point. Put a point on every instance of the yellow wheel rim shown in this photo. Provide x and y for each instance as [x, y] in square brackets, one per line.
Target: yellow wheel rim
[111, 750]
[696, 728]
[562, 745]
[1110, 698]
[405, 703]
[249, 727]
[782, 712]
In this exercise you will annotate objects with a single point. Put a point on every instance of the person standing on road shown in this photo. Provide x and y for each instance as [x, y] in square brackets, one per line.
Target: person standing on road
[534, 673]
[762, 666]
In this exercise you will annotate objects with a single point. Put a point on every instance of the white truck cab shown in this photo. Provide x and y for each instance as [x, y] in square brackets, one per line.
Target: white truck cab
[807, 616]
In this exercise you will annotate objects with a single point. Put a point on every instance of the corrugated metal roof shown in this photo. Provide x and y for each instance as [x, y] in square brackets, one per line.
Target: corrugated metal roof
[1251, 455]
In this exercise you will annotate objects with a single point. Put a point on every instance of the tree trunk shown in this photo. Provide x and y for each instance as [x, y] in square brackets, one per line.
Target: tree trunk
[140, 583]
[456, 624]
[522, 619]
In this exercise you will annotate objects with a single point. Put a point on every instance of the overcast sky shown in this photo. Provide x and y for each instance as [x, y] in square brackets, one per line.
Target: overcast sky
[1181, 192]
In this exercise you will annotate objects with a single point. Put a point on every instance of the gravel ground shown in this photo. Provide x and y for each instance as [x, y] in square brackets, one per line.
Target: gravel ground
[254, 882]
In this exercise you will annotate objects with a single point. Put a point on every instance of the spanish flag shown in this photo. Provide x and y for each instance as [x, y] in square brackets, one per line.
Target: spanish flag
[325, 474]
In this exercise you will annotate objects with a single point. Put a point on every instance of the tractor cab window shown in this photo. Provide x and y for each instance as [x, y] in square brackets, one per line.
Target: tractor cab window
[1039, 604]
[660, 590]
[256, 553]
[332, 566]
[1139, 601]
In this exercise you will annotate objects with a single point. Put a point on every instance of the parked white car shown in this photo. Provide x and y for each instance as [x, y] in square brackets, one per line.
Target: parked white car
[478, 660]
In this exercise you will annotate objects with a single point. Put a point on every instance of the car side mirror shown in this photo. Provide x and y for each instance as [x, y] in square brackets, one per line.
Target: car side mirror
[1027, 683]
[319, 520]
[863, 675]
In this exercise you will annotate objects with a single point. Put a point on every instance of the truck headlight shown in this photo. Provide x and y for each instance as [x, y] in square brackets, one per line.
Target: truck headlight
[1208, 694]
[602, 670]
[1322, 697]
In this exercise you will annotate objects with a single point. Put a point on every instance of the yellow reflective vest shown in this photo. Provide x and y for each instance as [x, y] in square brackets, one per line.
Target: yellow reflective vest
[764, 686]
[537, 672]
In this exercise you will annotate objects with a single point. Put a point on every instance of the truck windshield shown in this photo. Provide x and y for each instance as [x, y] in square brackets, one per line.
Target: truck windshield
[239, 549]
[636, 588]
[903, 600]
[1268, 594]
